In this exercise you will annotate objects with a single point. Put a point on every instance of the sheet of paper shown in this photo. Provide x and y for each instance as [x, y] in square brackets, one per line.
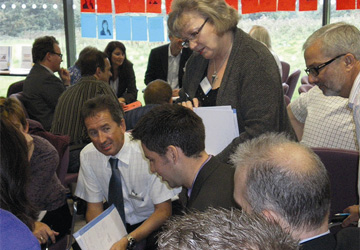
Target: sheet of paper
[26, 58]
[5, 57]
[221, 127]
[102, 232]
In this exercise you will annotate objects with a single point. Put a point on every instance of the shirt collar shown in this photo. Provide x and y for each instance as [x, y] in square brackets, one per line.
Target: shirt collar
[171, 55]
[124, 154]
[190, 190]
[52, 72]
[314, 237]
[354, 90]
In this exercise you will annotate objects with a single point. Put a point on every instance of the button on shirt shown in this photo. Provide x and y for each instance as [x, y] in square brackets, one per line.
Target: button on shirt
[173, 69]
[141, 189]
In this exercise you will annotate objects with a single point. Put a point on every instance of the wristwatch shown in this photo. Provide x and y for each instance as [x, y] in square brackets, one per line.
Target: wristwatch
[131, 242]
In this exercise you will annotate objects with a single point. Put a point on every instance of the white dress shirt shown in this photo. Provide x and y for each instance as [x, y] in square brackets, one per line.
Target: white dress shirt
[141, 189]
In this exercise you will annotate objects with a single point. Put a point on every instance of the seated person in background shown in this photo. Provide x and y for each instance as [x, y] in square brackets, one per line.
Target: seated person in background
[42, 88]
[167, 63]
[261, 34]
[123, 76]
[173, 139]
[15, 234]
[323, 121]
[292, 189]
[336, 47]
[217, 229]
[95, 70]
[74, 71]
[156, 93]
[44, 189]
[143, 201]
[16, 151]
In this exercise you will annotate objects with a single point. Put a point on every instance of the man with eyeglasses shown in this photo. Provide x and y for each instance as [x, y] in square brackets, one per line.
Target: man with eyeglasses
[332, 55]
[42, 88]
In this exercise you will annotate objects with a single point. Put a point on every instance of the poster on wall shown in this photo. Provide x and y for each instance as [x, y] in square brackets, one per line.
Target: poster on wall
[88, 25]
[105, 26]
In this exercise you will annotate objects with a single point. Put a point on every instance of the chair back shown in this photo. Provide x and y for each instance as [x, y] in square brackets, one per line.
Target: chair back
[285, 71]
[292, 82]
[305, 88]
[342, 166]
[285, 88]
[60, 143]
[20, 97]
[15, 87]
[287, 100]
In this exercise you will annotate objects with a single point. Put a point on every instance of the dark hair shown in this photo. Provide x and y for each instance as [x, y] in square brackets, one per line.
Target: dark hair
[102, 103]
[171, 125]
[123, 69]
[41, 46]
[14, 174]
[83, 52]
[90, 61]
[157, 92]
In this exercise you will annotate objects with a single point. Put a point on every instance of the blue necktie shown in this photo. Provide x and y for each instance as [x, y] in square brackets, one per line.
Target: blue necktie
[115, 189]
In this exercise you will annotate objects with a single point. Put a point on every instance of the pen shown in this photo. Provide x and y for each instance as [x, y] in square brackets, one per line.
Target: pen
[342, 214]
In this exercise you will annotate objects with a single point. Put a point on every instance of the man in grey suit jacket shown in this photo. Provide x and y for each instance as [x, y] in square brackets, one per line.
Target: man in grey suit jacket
[167, 63]
[42, 88]
[173, 139]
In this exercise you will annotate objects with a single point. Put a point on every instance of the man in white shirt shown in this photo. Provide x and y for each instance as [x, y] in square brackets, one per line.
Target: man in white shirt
[146, 200]
[332, 55]
[292, 189]
[323, 121]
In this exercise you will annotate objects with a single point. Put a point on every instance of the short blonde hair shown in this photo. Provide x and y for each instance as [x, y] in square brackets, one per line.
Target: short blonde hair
[261, 34]
[219, 13]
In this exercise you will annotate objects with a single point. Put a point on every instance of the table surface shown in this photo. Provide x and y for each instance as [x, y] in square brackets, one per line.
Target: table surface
[15, 72]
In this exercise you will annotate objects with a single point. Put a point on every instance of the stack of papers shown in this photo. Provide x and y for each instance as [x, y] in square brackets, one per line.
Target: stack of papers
[221, 127]
[102, 232]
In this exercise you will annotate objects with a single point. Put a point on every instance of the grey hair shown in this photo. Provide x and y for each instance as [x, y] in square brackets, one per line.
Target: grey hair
[337, 38]
[223, 229]
[220, 14]
[277, 181]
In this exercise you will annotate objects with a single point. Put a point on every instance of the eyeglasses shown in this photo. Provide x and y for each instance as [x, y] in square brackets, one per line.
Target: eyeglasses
[60, 55]
[315, 70]
[186, 42]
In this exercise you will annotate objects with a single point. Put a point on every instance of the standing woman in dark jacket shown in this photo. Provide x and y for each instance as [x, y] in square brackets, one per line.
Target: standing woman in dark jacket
[123, 76]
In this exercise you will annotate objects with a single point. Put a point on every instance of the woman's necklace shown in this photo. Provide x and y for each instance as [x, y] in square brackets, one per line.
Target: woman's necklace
[214, 76]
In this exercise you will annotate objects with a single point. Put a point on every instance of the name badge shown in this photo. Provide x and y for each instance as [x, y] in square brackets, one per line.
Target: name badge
[135, 196]
[205, 85]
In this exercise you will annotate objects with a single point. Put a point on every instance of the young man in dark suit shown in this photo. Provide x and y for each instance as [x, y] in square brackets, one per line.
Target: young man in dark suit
[167, 62]
[173, 139]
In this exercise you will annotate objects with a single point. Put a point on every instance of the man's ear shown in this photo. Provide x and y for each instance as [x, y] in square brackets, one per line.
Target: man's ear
[275, 217]
[98, 72]
[172, 153]
[349, 60]
[123, 124]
